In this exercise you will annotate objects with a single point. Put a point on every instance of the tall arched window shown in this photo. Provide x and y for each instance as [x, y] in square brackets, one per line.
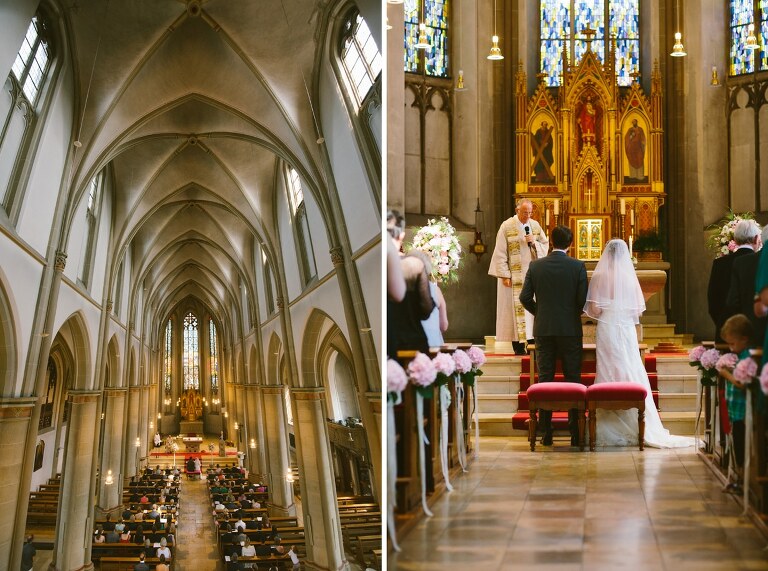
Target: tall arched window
[191, 356]
[168, 361]
[92, 222]
[301, 226]
[743, 15]
[434, 14]
[19, 110]
[214, 358]
[563, 23]
[360, 57]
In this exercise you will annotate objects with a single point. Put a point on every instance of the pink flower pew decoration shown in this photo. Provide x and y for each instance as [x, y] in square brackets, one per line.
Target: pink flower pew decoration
[745, 370]
[727, 361]
[397, 380]
[422, 373]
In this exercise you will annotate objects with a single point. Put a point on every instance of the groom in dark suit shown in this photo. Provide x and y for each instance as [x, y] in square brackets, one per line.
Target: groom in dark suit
[559, 285]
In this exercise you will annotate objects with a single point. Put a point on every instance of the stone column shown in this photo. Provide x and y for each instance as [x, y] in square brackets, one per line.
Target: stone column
[132, 425]
[321, 513]
[109, 496]
[15, 416]
[143, 420]
[74, 528]
[280, 490]
[256, 463]
[239, 436]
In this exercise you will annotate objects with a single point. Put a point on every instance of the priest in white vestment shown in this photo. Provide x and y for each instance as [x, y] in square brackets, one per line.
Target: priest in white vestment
[520, 239]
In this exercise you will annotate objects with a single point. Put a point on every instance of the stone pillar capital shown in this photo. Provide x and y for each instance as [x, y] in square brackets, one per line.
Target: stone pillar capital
[109, 306]
[280, 302]
[60, 262]
[273, 389]
[309, 393]
[337, 255]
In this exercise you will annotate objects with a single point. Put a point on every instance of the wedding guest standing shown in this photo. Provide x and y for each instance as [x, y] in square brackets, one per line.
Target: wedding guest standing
[519, 241]
[742, 297]
[437, 322]
[404, 329]
[746, 234]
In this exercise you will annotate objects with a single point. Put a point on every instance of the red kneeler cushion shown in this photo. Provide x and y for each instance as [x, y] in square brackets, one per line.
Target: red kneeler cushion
[616, 391]
[554, 391]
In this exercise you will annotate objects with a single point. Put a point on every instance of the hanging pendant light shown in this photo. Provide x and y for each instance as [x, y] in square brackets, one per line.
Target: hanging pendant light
[678, 50]
[495, 49]
[751, 43]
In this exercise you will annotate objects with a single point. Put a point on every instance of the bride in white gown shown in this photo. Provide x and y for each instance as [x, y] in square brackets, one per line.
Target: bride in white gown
[616, 301]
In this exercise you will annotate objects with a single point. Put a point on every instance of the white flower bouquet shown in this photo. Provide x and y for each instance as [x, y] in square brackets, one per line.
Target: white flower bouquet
[438, 240]
[721, 240]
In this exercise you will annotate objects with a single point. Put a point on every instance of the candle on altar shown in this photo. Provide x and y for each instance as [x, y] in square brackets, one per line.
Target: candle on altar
[632, 217]
[630, 245]
[623, 206]
[546, 217]
[557, 206]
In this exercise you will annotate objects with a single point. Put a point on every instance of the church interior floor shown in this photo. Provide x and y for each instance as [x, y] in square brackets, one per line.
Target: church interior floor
[565, 510]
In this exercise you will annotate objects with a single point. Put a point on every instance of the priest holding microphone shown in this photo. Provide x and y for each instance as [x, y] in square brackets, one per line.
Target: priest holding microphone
[519, 241]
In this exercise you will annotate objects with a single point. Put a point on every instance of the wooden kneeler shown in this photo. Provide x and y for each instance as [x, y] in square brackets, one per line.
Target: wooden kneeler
[616, 396]
[556, 396]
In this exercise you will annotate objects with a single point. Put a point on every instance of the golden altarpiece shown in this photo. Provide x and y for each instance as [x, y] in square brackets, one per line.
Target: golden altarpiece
[588, 155]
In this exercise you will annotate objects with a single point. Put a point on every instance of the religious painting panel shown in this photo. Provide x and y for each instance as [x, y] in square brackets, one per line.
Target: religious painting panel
[543, 137]
[39, 455]
[635, 163]
[590, 234]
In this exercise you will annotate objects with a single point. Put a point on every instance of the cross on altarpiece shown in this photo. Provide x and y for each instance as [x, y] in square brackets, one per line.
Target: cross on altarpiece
[589, 33]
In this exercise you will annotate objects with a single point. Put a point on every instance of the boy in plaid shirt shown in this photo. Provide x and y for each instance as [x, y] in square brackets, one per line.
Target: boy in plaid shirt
[737, 332]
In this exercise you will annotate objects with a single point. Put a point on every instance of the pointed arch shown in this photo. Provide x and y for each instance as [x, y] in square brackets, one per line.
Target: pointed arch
[73, 333]
[9, 335]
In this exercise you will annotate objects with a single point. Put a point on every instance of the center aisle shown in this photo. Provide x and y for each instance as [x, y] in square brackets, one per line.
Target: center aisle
[196, 532]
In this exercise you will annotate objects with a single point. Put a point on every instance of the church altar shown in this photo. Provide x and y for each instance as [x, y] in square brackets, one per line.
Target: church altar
[192, 443]
[589, 153]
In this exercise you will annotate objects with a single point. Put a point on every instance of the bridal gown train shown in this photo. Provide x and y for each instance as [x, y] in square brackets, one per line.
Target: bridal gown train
[618, 359]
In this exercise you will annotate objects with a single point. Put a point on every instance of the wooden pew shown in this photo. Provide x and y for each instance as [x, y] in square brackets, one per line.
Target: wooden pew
[366, 544]
[100, 550]
[127, 563]
[358, 508]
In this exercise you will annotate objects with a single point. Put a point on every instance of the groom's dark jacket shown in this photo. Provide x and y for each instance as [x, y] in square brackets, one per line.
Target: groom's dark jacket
[559, 284]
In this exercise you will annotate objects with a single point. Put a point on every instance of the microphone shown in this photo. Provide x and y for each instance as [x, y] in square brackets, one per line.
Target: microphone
[531, 247]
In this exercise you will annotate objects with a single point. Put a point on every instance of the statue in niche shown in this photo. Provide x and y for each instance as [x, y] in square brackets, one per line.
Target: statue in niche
[588, 119]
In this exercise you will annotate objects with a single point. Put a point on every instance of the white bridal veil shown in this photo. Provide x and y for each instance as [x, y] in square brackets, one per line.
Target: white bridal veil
[614, 290]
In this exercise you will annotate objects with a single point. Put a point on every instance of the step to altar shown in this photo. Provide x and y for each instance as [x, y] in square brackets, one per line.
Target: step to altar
[499, 393]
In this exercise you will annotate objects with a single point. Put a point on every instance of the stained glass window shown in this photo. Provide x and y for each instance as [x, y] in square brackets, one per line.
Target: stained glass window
[191, 357]
[32, 61]
[435, 17]
[360, 56]
[562, 26]
[214, 358]
[742, 21]
[168, 357]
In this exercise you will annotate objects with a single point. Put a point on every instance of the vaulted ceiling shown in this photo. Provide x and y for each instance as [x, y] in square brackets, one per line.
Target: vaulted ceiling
[193, 104]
